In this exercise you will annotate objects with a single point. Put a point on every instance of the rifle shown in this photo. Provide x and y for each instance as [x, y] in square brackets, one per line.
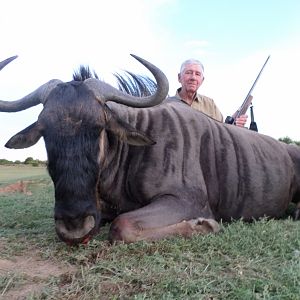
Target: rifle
[245, 105]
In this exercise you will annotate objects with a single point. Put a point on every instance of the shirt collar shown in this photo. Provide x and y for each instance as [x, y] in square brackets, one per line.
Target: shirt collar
[178, 96]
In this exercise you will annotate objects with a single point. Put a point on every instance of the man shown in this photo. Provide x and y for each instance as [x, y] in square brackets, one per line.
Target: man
[191, 77]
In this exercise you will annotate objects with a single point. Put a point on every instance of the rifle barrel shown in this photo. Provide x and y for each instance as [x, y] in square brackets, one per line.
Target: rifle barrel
[252, 87]
[254, 83]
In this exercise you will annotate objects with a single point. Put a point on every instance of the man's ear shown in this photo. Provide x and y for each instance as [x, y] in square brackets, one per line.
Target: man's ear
[25, 138]
[126, 132]
[179, 77]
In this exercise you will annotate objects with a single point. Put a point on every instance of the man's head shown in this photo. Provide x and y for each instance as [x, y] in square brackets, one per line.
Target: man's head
[191, 75]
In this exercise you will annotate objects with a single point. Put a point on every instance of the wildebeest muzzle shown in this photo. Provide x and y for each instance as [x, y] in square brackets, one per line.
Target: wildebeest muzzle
[77, 230]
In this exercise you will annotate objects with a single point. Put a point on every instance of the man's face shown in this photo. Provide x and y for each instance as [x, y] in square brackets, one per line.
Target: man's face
[191, 78]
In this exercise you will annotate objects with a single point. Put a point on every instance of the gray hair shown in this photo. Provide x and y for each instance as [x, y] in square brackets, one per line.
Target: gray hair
[191, 61]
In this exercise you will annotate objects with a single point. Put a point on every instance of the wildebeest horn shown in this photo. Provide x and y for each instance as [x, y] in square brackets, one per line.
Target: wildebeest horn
[34, 98]
[109, 93]
[7, 61]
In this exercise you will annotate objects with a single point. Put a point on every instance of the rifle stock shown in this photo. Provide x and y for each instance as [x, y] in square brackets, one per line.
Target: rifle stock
[243, 109]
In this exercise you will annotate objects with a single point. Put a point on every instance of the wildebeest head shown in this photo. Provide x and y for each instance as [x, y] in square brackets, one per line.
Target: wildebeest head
[73, 122]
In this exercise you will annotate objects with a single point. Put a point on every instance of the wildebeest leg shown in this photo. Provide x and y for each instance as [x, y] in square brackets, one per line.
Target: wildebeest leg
[297, 212]
[163, 218]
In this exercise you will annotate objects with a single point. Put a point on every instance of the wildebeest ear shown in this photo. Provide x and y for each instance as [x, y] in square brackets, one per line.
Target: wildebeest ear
[126, 132]
[25, 138]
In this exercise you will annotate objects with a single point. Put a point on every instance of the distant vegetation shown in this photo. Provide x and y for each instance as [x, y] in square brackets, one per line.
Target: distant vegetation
[27, 161]
[288, 140]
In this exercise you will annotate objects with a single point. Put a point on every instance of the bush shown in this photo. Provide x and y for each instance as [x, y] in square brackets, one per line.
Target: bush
[288, 140]
[5, 161]
[28, 161]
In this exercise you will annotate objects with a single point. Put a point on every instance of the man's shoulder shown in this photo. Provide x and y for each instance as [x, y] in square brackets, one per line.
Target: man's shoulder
[204, 98]
[172, 99]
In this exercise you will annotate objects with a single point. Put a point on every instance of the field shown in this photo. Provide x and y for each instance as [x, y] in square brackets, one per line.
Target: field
[10, 174]
[260, 260]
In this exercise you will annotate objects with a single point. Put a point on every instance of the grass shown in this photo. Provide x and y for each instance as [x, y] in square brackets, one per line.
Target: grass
[10, 174]
[260, 260]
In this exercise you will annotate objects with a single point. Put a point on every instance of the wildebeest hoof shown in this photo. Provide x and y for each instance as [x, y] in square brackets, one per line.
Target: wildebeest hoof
[296, 214]
[203, 225]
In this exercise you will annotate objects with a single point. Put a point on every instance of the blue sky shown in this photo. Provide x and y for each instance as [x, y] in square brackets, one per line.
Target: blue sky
[232, 39]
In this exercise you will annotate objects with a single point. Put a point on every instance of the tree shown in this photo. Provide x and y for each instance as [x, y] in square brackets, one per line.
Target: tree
[288, 140]
[4, 161]
[28, 161]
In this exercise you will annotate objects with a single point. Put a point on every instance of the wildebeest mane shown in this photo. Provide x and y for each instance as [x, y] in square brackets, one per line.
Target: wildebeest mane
[129, 83]
[135, 85]
[83, 73]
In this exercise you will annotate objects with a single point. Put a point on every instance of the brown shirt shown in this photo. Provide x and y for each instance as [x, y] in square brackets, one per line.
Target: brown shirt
[203, 104]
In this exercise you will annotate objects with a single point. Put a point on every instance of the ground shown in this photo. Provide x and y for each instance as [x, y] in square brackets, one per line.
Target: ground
[19, 186]
[34, 264]
[34, 271]
[30, 271]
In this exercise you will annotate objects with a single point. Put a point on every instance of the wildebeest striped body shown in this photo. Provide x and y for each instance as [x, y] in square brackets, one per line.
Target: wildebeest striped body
[154, 170]
[240, 173]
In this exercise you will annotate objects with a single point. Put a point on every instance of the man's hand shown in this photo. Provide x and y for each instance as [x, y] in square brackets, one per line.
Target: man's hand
[241, 120]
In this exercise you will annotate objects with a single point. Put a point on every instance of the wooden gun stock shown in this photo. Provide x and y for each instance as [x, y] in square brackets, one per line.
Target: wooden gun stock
[243, 109]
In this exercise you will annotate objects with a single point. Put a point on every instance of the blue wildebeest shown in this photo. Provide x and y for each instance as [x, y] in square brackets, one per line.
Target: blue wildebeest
[152, 169]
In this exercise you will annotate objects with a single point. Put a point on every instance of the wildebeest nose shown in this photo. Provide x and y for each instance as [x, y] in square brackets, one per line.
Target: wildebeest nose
[75, 229]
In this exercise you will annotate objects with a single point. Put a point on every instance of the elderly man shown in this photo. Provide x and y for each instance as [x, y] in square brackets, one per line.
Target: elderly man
[191, 77]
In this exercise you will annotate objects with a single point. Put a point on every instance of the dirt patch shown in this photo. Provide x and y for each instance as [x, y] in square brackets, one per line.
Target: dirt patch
[34, 273]
[17, 187]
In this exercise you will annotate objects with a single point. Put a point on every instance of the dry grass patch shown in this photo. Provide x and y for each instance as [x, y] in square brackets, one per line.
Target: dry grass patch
[26, 276]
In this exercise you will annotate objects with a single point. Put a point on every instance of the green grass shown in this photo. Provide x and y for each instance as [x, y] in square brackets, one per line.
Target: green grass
[260, 260]
[10, 174]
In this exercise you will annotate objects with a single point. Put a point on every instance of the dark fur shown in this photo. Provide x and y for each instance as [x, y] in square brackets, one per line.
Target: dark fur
[83, 73]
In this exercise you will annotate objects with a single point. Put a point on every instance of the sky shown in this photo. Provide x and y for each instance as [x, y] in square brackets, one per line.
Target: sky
[231, 38]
